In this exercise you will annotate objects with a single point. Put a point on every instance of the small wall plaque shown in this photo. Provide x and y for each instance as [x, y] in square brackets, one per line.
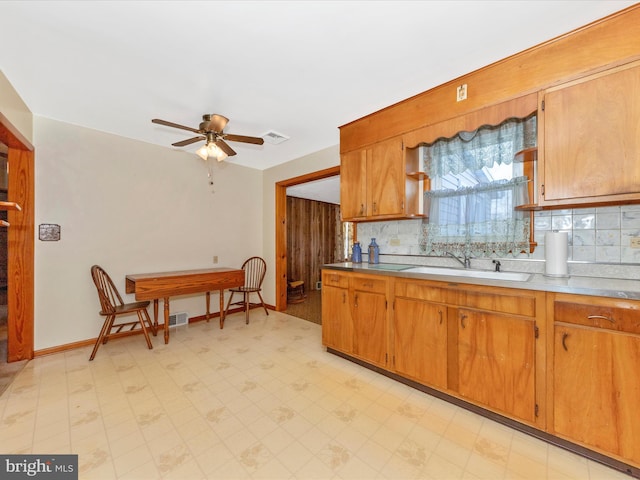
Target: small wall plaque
[49, 232]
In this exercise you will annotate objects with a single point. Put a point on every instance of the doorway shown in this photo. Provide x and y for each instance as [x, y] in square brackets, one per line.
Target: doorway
[21, 243]
[281, 228]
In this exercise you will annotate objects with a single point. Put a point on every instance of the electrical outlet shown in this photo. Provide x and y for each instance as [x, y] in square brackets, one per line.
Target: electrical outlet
[461, 92]
[394, 242]
[215, 259]
[635, 242]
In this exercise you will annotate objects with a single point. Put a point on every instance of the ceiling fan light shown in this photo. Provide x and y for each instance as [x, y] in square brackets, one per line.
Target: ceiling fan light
[216, 152]
[203, 153]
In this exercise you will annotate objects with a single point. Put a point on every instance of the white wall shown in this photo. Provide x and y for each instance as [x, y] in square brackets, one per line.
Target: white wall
[329, 157]
[14, 109]
[131, 207]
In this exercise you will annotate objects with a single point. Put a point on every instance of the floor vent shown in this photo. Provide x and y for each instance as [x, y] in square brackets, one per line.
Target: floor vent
[177, 319]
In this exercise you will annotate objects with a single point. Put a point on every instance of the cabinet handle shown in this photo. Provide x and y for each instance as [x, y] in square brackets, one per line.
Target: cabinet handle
[344, 297]
[362, 209]
[355, 298]
[375, 207]
[368, 285]
[462, 319]
[440, 313]
[602, 317]
[564, 344]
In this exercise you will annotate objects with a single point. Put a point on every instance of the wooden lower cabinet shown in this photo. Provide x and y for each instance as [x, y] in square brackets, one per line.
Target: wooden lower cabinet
[369, 313]
[596, 385]
[496, 362]
[354, 315]
[337, 326]
[420, 341]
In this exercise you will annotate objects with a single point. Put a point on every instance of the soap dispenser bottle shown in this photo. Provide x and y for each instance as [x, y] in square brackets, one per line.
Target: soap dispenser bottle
[374, 252]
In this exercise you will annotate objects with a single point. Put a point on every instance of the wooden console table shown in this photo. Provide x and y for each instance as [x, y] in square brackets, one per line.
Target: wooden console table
[153, 286]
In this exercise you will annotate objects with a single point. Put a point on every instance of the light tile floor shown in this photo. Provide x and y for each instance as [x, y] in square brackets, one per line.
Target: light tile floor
[262, 400]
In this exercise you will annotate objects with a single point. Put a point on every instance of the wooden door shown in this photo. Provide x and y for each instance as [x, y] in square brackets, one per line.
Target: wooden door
[591, 140]
[496, 360]
[337, 328]
[369, 313]
[386, 180]
[353, 184]
[597, 389]
[420, 341]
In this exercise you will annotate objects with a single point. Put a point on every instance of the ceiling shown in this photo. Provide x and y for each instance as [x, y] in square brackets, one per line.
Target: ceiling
[298, 68]
[324, 190]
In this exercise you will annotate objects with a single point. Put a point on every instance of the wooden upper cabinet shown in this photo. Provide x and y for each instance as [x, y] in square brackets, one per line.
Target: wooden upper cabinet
[385, 184]
[353, 184]
[375, 185]
[590, 139]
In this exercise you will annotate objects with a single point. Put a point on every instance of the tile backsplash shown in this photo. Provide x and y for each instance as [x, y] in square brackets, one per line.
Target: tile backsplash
[600, 235]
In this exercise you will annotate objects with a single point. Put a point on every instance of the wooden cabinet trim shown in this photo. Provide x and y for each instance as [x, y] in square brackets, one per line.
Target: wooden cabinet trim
[558, 60]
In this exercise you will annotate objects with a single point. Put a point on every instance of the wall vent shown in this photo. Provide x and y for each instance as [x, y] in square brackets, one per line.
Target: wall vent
[177, 319]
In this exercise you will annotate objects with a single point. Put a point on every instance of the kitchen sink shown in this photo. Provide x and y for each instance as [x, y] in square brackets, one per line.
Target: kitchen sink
[459, 272]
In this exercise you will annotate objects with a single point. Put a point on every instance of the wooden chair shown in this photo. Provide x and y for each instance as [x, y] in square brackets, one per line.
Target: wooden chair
[255, 269]
[112, 306]
[295, 291]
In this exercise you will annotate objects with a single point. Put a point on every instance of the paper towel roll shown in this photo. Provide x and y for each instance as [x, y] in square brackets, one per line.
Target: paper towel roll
[555, 253]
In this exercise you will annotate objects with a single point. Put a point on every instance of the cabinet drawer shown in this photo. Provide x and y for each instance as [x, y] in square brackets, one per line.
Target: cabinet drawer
[369, 284]
[421, 291]
[621, 316]
[335, 279]
[518, 303]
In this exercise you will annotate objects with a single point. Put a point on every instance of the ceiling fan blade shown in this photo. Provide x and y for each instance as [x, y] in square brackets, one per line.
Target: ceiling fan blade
[243, 138]
[174, 125]
[225, 147]
[188, 141]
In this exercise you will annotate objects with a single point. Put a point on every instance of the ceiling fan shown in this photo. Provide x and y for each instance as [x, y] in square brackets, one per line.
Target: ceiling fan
[211, 129]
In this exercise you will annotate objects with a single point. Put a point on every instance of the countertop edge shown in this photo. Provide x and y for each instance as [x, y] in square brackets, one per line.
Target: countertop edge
[577, 285]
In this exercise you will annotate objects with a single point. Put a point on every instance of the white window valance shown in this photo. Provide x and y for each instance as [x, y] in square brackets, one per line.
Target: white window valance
[483, 147]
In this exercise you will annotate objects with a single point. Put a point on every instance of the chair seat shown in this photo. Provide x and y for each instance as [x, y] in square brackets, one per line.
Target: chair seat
[128, 307]
[245, 289]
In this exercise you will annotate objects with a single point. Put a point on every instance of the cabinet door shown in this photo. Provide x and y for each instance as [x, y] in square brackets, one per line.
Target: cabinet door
[591, 138]
[597, 389]
[369, 313]
[420, 341]
[337, 328]
[496, 362]
[353, 184]
[386, 179]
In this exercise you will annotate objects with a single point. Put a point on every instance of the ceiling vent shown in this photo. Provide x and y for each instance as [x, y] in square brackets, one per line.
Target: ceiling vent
[274, 138]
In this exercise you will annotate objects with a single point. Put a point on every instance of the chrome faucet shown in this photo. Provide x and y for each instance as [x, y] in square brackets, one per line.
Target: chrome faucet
[466, 263]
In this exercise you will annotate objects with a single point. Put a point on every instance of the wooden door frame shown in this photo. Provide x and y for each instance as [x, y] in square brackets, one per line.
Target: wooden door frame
[20, 243]
[281, 228]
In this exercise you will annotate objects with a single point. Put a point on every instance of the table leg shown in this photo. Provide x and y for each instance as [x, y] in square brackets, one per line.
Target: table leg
[208, 305]
[221, 309]
[155, 313]
[166, 320]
